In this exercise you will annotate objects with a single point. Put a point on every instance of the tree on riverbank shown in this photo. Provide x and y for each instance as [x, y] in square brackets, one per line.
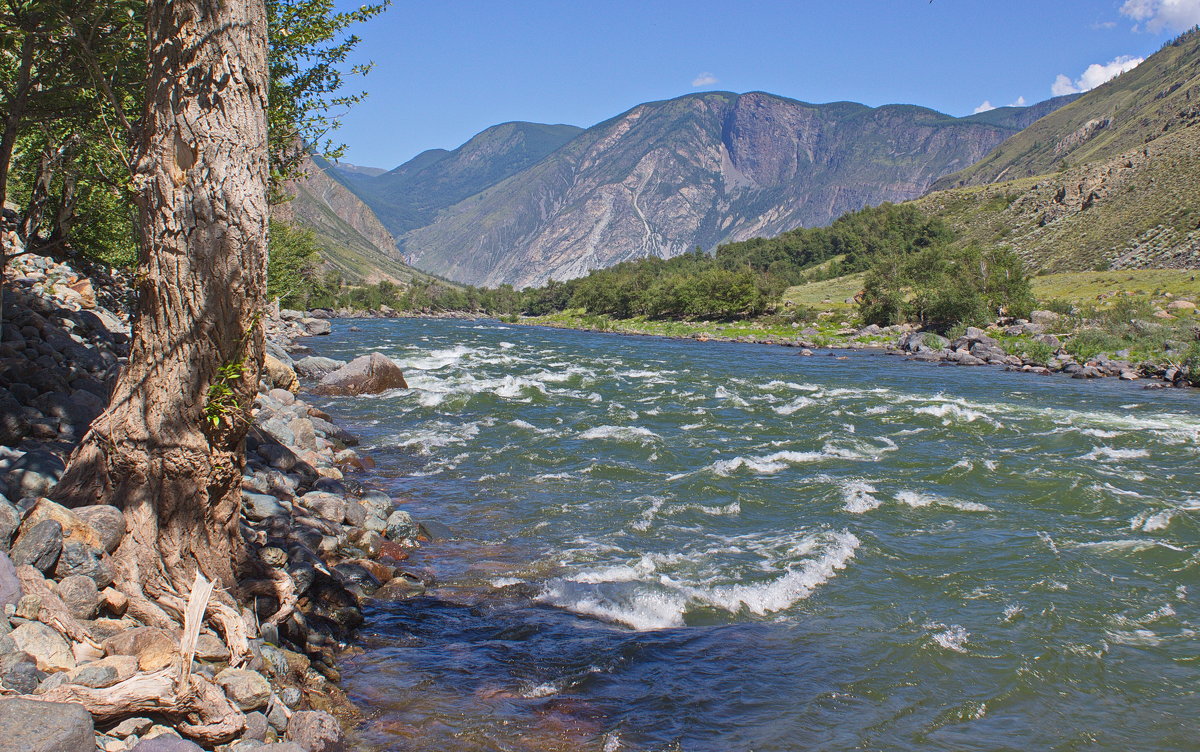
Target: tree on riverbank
[169, 448]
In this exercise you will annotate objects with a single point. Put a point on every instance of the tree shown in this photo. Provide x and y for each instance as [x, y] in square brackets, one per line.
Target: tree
[169, 448]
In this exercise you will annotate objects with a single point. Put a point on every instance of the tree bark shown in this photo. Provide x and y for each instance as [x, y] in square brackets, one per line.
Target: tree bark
[169, 450]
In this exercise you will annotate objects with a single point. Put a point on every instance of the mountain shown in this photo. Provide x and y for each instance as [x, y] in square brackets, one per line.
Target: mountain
[1111, 180]
[1159, 96]
[352, 240]
[410, 196]
[663, 178]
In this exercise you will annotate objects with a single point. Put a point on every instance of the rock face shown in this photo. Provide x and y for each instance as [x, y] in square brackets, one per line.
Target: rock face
[665, 177]
[368, 374]
[32, 726]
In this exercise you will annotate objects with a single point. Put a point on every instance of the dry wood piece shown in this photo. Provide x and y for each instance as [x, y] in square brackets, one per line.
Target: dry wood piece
[53, 611]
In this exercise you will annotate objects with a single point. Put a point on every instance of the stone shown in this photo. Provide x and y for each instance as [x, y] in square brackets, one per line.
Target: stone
[315, 367]
[38, 545]
[166, 743]
[304, 436]
[259, 507]
[28, 607]
[94, 675]
[155, 648]
[10, 586]
[10, 522]
[434, 530]
[80, 595]
[256, 726]
[114, 600]
[49, 649]
[74, 528]
[14, 424]
[107, 521]
[401, 526]
[85, 653]
[131, 727]
[125, 666]
[36, 726]
[281, 747]
[210, 648]
[282, 396]
[329, 506]
[20, 674]
[315, 731]
[82, 559]
[368, 374]
[34, 474]
[316, 327]
[1181, 305]
[279, 374]
[247, 689]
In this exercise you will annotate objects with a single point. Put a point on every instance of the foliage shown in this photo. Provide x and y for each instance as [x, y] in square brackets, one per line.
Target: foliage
[307, 58]
[939, 286]
[293, 258]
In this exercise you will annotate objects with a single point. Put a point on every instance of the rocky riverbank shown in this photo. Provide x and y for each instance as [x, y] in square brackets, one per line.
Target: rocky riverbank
[67, 639]
[1035, 345]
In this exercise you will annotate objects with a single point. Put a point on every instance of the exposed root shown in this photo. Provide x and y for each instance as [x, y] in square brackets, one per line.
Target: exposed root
[279, 585]
[206, 714]
[53, 611]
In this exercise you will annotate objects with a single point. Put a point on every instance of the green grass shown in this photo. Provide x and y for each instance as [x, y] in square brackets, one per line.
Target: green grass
[828, 295]
[1088, 287]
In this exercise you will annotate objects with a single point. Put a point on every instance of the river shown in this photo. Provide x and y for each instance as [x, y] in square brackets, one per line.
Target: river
[669, 545]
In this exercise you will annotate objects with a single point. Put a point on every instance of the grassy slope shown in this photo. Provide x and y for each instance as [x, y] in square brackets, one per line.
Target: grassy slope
[1157, 97]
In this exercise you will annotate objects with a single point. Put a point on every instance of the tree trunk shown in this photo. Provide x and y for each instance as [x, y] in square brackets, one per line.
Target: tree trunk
[169, 450]
[12, 124]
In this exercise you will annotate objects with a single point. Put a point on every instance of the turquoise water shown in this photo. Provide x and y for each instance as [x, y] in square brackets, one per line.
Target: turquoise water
[667, 545]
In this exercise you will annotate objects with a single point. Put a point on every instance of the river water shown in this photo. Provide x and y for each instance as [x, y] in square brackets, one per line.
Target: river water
[668, 545]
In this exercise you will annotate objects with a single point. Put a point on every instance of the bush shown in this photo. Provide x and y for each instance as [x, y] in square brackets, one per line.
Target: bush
[1088, 343]
[293, 258]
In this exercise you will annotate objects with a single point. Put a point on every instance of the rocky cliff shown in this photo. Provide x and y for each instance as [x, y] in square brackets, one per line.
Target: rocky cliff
[667, 176]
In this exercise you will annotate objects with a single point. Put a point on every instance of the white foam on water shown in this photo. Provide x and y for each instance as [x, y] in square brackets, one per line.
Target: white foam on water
[1100, 434]
[951, 412]
[655, 591]
[952, 637]
[501, 582]
[724, 394]
[1131, 545]
[1106, 453]
[544, 689]
[858, 496]
[1149, 522]
[794, 406]
[439, 434]
[625, 434]
[1012, 612]
[768, 465]
[437, 359]
[915, 499]
[777, 384]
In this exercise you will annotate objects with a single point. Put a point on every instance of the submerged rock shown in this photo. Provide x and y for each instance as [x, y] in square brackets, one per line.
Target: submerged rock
[368, 374]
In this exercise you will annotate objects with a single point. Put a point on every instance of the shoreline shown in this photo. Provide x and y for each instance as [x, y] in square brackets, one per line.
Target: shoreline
[1170, 377]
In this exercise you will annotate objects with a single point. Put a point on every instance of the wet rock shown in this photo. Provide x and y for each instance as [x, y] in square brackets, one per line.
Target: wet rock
[107, 521]
[314, 367]
[434, 530]
[401, 526]
[315, 731]
[247, 689]
[33, 474]
[48, 648]
[80, 595]
[38, 545]
[36, 726]
[82, 559]
[369, 374]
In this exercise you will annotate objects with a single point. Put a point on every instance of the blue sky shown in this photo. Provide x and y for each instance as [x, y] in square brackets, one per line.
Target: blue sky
[446, 70]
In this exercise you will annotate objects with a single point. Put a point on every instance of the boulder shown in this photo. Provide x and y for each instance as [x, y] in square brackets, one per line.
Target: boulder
[329, 506]
[368, 374]
[38, 545]
[247, 689]
[315, 731]
[259, 507]
[10, 586]
[14, 425]
[80, 595]
[401, 526]
[279, 374]
[166, 743]
[48, 648]
[1181, 305]
[316, 367]
[155, 648]
[35, 726]
[82, 559]
[107, 521]
[74, 528]
[316, 327]
[34, 474]
[10, 522]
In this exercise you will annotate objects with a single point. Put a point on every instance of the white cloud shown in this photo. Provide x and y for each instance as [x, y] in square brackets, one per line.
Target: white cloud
[1019, 103]
[1096, 73]
[1163, 15]
[985, 107]
[704, 79]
